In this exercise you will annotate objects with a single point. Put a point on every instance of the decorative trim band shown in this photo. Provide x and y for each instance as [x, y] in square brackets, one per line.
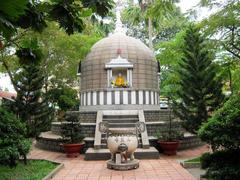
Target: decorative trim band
[119, 97]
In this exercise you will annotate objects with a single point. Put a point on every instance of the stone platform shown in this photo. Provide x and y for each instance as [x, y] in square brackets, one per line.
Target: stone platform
[134, 164]
[104, 154]
[50, 141]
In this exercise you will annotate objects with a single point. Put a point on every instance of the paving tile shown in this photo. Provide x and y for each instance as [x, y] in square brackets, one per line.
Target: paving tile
[116, 177]
[164, 168]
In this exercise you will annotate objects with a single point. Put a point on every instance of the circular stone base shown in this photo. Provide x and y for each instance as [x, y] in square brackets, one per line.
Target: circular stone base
[124, 166]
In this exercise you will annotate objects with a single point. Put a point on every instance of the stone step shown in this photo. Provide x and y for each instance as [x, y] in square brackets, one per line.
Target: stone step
[122, 129]
[119, 116]
[121, 120]
[104, 154]
[121, 125]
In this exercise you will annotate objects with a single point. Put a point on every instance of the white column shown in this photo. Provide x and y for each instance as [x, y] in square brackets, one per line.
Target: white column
[101, 98]
[108, 78]
[109, 98]
[81, 99]
[152, 97]
[147, 97]
[156, 98]
[117, 97]
[84, 99]
[125, 97]
[94, 98]
[130, 79]
[89, 98]
[133, 97]
[140, 97]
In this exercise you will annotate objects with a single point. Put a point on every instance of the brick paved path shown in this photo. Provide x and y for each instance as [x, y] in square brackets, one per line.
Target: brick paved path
[164, 168]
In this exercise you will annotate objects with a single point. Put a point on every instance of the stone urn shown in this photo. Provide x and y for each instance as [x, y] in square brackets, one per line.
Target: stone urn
[122, 143]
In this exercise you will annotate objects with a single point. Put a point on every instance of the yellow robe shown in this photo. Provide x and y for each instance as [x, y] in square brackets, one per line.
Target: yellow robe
[119, 81]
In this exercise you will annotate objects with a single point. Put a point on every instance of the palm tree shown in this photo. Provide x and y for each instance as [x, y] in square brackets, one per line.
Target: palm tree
[149, 11]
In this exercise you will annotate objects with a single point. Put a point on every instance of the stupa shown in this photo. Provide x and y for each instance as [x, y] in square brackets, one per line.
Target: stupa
[119, 82]
[119, 85]
[121, 73]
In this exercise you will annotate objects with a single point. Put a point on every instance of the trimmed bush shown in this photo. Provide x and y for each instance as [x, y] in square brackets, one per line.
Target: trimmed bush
[13, 143]
[222, 165]
[222, 131]
[71, 130]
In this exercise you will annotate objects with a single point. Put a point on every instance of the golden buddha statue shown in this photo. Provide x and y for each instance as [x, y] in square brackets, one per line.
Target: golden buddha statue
[119, 80]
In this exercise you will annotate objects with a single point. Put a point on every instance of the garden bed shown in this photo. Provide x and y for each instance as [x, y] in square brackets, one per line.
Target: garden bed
[191, 163]
[35, 169]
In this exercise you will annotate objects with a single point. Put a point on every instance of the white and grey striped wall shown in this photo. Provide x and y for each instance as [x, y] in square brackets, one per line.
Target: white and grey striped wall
[118, 97]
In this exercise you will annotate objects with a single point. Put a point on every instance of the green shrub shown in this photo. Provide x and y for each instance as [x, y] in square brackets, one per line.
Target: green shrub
[13, 143]
[65, 97]
[71, 130]
[222, 131]
[222, 165]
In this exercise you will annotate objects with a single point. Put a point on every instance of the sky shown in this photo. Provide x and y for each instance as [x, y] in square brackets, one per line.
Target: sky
[185, 5]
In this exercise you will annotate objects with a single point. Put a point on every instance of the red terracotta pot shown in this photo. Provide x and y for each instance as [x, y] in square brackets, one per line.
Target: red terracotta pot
[169, 147]
[72, 150]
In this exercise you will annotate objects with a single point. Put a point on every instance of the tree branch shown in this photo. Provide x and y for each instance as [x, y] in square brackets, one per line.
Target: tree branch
[231, 51]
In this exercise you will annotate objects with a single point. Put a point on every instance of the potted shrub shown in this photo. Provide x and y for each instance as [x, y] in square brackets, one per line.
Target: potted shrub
[169, 140]
[72, 139]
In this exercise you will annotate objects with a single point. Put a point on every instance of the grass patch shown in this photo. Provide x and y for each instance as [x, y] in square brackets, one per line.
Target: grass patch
[194, 160]
[34, 170]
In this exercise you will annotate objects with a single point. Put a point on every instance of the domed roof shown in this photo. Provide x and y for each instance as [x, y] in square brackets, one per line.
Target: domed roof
[130, 47]
[94, 74]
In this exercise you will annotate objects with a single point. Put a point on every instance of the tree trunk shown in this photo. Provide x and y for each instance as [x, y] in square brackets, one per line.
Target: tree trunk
[150, 33]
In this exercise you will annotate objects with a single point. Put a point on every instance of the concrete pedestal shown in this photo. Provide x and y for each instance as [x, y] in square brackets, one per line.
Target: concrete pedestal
[124, 166]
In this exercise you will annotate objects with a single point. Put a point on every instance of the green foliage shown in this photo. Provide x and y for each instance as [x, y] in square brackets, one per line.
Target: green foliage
[33, 18]
[194, 160]
[30, 105]
[167, 20]
[71, 129]
[222, 131]
[173, 135]
[64, 97]
[101, 7]
[64, 52]
[222, 165]
[13, 143]
[170, 133]
[29, 53]
[33, 14]
[170, 54]
[161, 9]
[223, 128]
[200, 90]
[223, 27]
[68, 14]
[35, 169]
[225, 21]
[9, 12]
